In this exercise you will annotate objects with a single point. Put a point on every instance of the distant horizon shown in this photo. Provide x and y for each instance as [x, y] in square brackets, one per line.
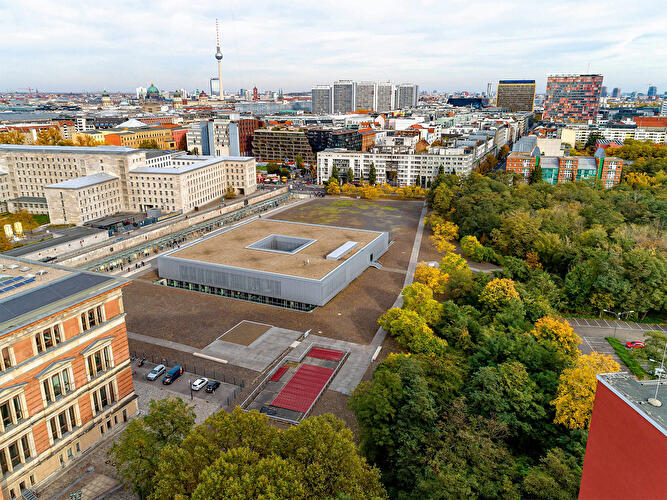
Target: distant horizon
[448, 45]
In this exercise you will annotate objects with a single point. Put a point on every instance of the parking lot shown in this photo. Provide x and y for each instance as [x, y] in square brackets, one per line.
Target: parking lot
[205, 403]
[619, 325]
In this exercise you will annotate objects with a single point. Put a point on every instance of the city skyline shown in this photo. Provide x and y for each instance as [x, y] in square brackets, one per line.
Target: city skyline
[78, 47]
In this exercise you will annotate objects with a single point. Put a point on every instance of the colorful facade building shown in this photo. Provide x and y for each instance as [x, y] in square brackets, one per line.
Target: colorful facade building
[65, 375]
[560, 169]
[627, 442]
[573, 98]
[132, 138]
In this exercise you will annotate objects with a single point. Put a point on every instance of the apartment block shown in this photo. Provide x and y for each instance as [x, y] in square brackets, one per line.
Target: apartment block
[560, 169]
[133, 138]
[574, 98]
[280, 145]
[65, 374]
[322, 100]
[321, 138]
[366, 95]
[407, 95]
[398, 169]
[385, 100]
[516, 95]
[343, 96]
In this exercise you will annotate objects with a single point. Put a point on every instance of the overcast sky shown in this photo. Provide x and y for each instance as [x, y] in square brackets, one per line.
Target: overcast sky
[446, 45]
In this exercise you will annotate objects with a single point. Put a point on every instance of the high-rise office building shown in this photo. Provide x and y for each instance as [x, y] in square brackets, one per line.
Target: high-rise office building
[603, 92]
[322, 100]
[616, 93]
[663, 108]
[365, 96]
[516, 95]
[407, 95]
[572, 97]
[489, 90]
[343, 96]
[652, 91]
[385, 97]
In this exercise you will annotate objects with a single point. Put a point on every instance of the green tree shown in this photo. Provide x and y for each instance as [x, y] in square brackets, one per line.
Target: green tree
[557, 477]
[651, 354]
[335, 174]
[418, 297]
[299, 161]
[536, 175]
[220, 433]
[518, 230]
[372, 175]
[240, 473]
[272, 168]
[149, 144]
[325, 454]
[350, 175]
[138, 448]
[403, 324]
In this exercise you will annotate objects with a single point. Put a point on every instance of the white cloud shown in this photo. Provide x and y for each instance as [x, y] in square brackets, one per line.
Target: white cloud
[452, 44]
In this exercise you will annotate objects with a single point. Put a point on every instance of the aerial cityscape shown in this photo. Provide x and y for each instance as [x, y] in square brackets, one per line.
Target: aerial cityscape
[390, 250]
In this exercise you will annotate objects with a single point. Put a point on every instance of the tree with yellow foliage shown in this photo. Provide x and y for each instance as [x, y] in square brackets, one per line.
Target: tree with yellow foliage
[559, 332]
[12, 137]
[443, 232]
[333, 187]
[453, 262]
[403, 324]
[85, 140]
[418, 297]
[498, 293]
[576, 389]
[638, 179]
[432, 277]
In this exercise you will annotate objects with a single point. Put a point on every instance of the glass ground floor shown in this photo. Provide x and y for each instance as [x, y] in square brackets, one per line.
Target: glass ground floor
[233, 294]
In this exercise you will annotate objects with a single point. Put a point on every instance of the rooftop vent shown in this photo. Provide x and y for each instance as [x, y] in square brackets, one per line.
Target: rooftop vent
[342, 250]
[41, 272]
[281, 244]
[12, 266]
[24, 269]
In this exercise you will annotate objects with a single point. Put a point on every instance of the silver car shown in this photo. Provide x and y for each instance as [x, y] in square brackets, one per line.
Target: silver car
[199, 383]
[156, 372]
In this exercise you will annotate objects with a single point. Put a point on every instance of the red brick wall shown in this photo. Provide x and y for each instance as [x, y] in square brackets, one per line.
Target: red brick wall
[626, 456]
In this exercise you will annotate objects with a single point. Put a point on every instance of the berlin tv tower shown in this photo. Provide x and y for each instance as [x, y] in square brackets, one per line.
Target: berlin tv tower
[218, 56]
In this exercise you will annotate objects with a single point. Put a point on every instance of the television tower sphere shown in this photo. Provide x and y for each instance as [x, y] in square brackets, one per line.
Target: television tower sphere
[218, 54]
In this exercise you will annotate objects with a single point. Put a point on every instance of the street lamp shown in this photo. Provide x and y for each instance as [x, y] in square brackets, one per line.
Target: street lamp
[618, 317]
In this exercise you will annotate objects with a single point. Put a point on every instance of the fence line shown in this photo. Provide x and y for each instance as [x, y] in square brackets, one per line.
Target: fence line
[192, 368]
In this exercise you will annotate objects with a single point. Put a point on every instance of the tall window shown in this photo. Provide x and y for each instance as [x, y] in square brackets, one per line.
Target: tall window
[103, 397]
[12, 411]
[62, 423]
[15, 454]
[91, 318]
[57, 385]
[6, 358]
[50, 337]
[99, 362]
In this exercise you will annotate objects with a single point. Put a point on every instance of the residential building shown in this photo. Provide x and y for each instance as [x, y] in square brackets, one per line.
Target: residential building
[663, 108]
[365, 97]
[343, 96]
[627, 440]
[65, 374]
[407, 95]
[405, 169]
[385, 97]
[321, 138]
[560, 169]
[322, 99]
[133, 138]
[572, 98]
[516, 95]
[77, 184]
[282, 144]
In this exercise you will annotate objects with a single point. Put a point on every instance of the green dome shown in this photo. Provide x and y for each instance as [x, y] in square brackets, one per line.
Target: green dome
[105, 94]
[177, 93]
[152, 89]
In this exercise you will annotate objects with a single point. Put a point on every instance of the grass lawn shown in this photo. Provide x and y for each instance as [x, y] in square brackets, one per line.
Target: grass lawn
[623, 353]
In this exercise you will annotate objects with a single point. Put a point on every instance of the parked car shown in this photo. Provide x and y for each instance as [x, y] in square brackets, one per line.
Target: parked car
[199, 383]
[212, 386]
[634, 344]
[156, 372]
[659, 372]
[173, 374]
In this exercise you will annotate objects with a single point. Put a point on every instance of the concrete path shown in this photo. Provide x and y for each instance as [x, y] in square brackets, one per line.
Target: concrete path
[380, 335]
[161, 342]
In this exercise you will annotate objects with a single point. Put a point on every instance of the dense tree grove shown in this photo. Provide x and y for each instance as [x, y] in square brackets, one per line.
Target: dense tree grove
[582, 247]
[485, 402]
[164, 456]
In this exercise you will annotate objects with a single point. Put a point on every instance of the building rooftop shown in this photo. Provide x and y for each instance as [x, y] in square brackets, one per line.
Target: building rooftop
[637, 394]
[82, 182]
[197, 163]
[230, 248]
[27, 148]
[30, 291]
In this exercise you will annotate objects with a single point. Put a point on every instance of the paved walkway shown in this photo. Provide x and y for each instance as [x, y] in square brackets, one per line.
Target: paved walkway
[164, 343]
[619, 325]
[380, 335]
